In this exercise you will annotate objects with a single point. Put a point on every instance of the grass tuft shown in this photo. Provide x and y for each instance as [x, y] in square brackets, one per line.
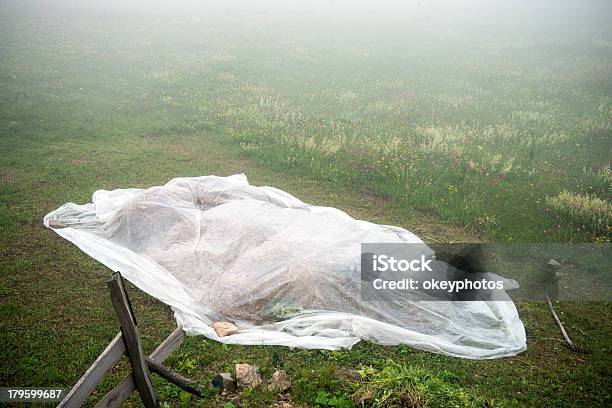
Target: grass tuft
[399, 385]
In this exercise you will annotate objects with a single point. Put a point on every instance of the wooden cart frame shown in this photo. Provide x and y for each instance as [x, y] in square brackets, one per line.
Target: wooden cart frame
[127, 342]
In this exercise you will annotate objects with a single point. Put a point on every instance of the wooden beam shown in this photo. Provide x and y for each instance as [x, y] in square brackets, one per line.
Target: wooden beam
[119, 394]
[174, 377]
[122, 391]
[131, 337]
[87, 383]
[77, 396]
[171, 343]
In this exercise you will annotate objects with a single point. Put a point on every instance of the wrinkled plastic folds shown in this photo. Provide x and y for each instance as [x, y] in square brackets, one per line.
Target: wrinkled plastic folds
[285, 272]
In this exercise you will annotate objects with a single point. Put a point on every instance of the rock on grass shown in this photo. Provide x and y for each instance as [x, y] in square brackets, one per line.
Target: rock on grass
[247, 376]
[280, 381]
[224, 382]
[225, 328]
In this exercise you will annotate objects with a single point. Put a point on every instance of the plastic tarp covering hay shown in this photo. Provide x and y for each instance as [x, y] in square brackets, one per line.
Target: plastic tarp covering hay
[285, 272]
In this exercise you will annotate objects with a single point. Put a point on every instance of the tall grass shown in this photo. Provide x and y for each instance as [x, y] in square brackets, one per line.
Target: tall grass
[398, 385]
[492, 175]
[477, 124]
[584, 211]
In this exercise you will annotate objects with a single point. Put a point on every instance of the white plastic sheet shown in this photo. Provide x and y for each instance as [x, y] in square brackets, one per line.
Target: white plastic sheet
[285, 272]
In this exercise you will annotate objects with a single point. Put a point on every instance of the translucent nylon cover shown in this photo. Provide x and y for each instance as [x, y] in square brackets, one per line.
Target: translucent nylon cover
[285, 272]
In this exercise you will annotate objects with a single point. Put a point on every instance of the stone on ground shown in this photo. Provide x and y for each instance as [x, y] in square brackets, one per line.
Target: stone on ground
[247, 376]
[225, 328]
[280, 381]
[224, 382]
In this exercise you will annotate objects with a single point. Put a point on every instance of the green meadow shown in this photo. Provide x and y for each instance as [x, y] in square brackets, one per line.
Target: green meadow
[460, 129]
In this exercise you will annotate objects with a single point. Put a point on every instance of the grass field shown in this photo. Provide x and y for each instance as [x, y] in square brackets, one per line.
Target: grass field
[454, 134]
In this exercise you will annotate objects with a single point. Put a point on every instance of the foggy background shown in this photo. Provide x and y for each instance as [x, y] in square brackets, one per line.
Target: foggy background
[445, 106]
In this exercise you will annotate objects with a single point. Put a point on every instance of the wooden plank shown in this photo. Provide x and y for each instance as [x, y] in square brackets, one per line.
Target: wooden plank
[171, 343]
[121, 392]
[131, 337]
[87, 383]
[174, 377]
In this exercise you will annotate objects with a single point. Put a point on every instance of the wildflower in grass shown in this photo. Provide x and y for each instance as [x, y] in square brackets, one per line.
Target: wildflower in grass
[585, 210]
[485, 223]
[598, 182]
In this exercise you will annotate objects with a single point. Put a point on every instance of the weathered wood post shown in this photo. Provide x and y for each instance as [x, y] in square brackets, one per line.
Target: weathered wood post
[127, 342]
[140, 371]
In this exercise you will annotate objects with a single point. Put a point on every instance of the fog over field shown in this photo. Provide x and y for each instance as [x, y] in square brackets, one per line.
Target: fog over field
[479, 112]
[461, 121]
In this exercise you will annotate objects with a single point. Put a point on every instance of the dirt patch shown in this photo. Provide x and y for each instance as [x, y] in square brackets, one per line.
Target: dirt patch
[428, 227]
